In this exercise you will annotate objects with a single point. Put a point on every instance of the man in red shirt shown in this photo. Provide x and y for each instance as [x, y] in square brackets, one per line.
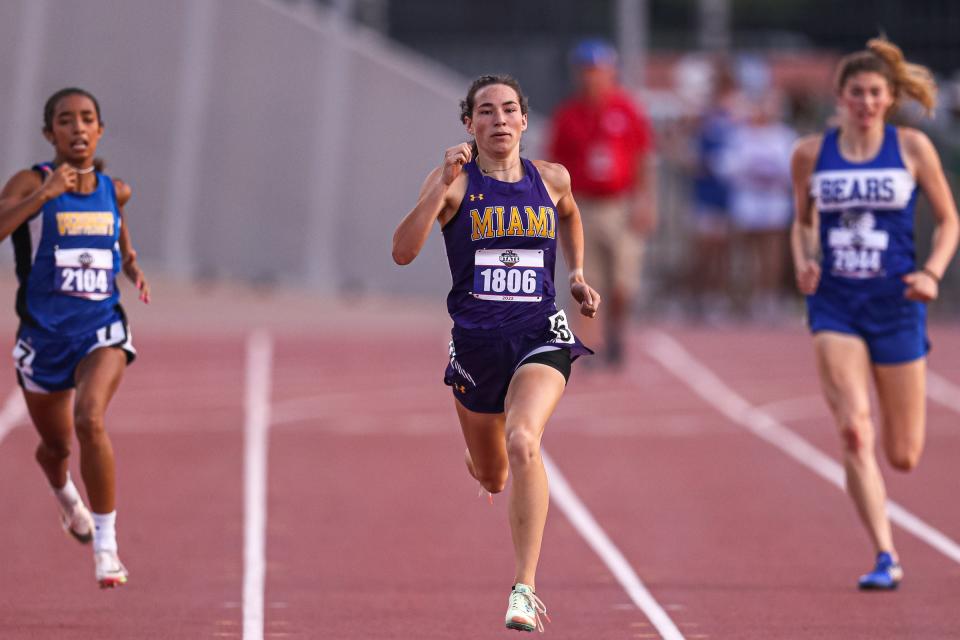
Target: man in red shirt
[605, 141]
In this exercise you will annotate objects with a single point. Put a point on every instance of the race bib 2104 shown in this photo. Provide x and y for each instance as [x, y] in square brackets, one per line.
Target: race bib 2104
[84, 273]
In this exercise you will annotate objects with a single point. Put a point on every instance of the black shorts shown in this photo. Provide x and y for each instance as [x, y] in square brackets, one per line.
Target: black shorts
[483, 362]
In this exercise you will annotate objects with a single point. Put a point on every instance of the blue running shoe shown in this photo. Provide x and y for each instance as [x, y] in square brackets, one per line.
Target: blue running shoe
[886, 575]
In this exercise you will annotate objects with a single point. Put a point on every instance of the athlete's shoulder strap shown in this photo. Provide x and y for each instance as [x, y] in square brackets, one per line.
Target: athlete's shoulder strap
[43, 168]
[828, 152]
[891, 151]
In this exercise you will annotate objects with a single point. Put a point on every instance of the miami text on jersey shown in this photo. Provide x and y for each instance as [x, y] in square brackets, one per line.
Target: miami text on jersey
[494, 222]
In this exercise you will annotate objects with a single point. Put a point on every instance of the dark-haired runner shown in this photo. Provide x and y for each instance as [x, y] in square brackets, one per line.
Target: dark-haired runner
[66, 222]
[512, 349]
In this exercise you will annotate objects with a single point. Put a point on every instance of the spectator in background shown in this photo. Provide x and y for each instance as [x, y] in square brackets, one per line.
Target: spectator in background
[605, 141]
[709, 276]
[756, 164]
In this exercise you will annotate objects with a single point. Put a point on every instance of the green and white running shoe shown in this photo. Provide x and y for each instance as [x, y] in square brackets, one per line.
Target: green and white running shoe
[524, 609]
[110, 571]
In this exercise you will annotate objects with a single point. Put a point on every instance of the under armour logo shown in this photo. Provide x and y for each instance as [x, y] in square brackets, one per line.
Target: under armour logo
[478, 196]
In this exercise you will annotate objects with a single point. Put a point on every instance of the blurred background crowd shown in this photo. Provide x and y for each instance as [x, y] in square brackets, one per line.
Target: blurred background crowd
[728, 86]
[278, 142]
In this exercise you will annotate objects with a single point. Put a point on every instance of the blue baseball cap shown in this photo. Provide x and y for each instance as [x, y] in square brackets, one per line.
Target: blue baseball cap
[593, 53]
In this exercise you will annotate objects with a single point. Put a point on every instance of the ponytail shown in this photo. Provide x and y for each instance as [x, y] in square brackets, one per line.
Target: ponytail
[905, 78]
[912, 79]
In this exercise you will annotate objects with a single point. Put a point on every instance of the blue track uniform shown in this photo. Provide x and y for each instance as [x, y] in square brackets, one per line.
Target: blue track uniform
[501, 247]
[866, 232]
[67, 261]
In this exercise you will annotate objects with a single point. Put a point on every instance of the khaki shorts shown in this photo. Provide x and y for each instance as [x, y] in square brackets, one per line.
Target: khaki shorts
[612, 251]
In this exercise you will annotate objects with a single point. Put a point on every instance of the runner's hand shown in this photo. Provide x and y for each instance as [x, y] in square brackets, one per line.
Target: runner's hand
[59, 181]
[921, 286]
[808, 277]
[453, 160]
[135, 274]
[588, 298]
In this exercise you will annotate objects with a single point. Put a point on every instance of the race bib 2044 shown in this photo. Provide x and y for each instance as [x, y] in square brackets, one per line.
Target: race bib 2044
[857, 247]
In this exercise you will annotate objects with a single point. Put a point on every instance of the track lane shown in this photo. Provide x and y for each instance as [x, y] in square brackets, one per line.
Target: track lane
[376, 530]
[179, 505]
[779, 527]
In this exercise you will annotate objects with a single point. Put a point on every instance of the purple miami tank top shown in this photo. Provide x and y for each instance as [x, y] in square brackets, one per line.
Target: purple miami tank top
[502, 248]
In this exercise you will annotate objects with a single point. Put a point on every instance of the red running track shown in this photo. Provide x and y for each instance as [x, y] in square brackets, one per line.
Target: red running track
[374, 529]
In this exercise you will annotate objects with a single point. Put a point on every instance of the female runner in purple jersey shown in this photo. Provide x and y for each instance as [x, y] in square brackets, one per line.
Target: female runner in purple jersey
[512, 349]
[854, 189]
[74, 375]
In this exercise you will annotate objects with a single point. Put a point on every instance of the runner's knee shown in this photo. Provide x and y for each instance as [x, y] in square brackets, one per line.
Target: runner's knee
[492, 476]
[89, 425]
[522, 447]
[52, 451]
[494, 482]
[857, 433]
[904, 458]
[903, 443]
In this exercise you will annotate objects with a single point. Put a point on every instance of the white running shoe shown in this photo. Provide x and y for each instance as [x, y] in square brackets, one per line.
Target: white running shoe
[77, 521]
[110, 571]
[524, 609]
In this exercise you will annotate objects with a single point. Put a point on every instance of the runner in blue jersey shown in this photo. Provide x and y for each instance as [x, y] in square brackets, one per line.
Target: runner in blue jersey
[502, 217]
[70, 240]
[855, 188]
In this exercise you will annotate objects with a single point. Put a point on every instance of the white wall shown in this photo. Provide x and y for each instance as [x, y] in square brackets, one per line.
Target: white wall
[262, 143]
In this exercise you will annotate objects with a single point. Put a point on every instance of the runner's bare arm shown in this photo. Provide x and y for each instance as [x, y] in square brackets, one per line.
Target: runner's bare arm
[439, 199]
[804, 233]
[924, 284]
[127, 253]
[570, 233]
[26, 192]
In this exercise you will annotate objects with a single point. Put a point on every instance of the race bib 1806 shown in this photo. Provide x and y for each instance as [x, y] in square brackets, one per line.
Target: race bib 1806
[508, 275]
[85, 273]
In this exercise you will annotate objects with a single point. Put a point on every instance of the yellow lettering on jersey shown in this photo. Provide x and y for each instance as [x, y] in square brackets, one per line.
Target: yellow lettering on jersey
[536, 222]
[500, 229]
[85, 223]
[552, 218]
[516, 222]
[482, 227]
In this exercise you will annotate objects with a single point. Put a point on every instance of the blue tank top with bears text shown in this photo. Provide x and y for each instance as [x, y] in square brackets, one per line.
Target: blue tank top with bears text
[866, 218]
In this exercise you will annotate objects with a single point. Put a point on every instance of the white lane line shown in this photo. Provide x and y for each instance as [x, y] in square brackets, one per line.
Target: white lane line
[796, 409]
[943, 392]
[13, 414]
[587, 526]
[256, 425]
[702, 381]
